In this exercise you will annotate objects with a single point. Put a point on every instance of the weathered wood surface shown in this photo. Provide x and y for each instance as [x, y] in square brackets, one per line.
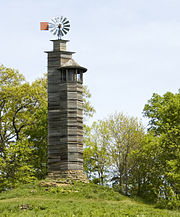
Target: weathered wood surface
[65, 116]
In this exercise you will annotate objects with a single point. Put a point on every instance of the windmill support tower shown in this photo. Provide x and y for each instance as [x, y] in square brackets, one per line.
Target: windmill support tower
[65, 114]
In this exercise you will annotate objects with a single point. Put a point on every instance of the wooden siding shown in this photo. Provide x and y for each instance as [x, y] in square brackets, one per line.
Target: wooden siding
[65, 116]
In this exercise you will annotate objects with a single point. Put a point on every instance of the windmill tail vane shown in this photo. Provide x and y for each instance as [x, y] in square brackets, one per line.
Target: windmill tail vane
[59, 26]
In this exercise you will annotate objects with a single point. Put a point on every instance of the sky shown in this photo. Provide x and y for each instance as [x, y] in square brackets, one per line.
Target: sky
[131, 48]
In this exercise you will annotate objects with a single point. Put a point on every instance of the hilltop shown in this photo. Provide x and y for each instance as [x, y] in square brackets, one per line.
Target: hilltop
[73, 199]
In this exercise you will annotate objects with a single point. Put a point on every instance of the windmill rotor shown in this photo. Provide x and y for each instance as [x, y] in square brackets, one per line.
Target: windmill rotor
[59, 26]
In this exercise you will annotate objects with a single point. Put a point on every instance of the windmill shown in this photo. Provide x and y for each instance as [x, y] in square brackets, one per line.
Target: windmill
[65, 106]
[59, 26]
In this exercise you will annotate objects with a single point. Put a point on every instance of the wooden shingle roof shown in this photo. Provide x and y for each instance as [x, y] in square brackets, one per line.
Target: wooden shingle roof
[72, 64]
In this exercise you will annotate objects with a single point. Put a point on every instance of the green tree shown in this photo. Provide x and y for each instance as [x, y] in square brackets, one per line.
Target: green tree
[109, 144]
[38, 131]
[164, 114]
[126, 135]
[19, 103]
[147, 172]
[96, 156]
[88, 109]
[15, 164]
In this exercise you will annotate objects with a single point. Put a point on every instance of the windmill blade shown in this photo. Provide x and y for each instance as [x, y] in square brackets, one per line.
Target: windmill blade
[53, 20]
[67, 30]
[67, 22]
[64, 31]
[51, 25]
[64, 19]
[55, 32]
[52, 30]
[57, 19]
[66, 26]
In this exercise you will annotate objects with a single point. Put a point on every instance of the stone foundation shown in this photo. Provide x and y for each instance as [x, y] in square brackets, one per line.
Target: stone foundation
[77, 175]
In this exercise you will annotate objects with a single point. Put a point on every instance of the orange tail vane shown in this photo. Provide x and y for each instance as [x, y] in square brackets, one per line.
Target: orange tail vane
[44, 25]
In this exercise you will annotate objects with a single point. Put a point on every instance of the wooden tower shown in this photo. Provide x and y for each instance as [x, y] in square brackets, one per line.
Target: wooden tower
[65, 115]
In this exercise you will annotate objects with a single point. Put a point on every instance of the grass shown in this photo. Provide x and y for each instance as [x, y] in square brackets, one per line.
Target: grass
[78, 199]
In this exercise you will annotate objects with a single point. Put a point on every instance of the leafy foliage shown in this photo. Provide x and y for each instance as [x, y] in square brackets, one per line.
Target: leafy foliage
[145, 165]
[107, 155]
[117, 151]
[164, 114]
[96, 156]
[23, 127]
[126, 135]
[147, 174]
[88, 109]
[19, 105]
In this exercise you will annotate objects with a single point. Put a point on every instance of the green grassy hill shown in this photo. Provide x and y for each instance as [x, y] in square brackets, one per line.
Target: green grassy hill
[76, 199]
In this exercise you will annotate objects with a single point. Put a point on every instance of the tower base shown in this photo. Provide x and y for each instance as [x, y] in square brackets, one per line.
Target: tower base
[77, 175]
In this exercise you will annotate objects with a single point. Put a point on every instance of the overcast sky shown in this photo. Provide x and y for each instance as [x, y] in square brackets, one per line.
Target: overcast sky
[130, 47]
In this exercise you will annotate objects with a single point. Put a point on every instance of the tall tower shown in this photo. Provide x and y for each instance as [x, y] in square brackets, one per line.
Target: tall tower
[65, 115]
